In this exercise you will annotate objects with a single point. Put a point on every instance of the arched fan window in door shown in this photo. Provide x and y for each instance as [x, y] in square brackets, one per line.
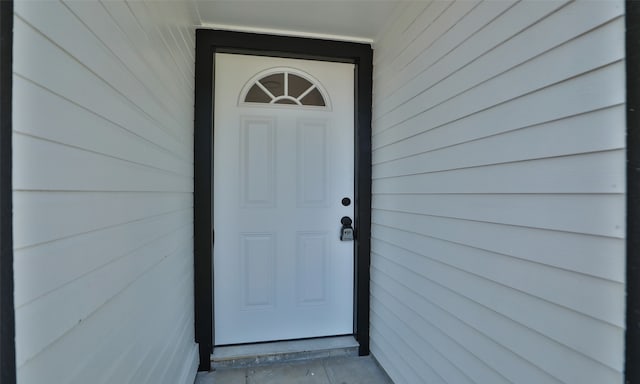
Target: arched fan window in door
[284, 86]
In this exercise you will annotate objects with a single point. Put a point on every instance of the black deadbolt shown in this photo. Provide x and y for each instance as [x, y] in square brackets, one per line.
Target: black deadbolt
[346, 221]
[346, 201]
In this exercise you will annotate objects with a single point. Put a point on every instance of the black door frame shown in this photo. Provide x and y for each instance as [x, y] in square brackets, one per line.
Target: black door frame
[7, 317]
[209, 42]
[632, 342]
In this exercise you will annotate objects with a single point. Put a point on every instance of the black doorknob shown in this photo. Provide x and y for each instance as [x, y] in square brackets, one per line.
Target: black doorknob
[346, 221]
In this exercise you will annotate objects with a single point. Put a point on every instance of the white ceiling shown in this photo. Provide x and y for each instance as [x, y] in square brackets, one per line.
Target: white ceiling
[357, 20]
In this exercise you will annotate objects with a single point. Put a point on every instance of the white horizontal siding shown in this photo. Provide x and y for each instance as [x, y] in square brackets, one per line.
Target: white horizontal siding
[103, 183]
[498, 249]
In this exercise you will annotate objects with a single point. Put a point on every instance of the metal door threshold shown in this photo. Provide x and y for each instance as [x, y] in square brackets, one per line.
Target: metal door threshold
[248, 355]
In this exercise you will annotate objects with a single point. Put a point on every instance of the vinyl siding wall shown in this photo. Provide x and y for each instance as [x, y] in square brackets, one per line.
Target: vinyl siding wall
[498, 193]
[103, 182]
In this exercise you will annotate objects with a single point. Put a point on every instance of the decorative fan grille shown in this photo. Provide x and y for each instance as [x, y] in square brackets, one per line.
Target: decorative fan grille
[285, 87]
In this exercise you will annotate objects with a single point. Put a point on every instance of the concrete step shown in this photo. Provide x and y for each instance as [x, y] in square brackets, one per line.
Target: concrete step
[249, 355]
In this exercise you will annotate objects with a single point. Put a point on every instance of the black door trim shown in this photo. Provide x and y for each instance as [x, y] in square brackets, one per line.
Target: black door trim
[632, 342]
[208, 42]
[7, 316]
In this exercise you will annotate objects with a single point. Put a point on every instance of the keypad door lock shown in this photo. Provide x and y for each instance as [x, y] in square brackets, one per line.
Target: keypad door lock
[346, 232]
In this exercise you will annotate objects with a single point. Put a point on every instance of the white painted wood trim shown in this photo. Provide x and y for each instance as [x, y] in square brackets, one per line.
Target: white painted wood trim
[281, 32]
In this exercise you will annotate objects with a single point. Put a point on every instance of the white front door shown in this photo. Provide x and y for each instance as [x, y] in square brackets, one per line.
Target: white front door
[283, 179]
